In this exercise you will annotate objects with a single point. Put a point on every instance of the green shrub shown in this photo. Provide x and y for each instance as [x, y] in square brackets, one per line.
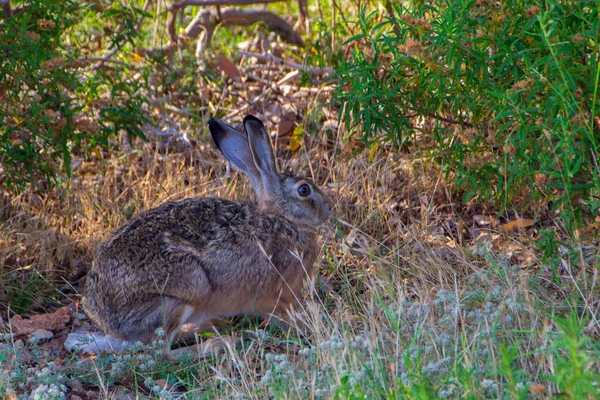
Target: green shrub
[55, 98]
[507, 91]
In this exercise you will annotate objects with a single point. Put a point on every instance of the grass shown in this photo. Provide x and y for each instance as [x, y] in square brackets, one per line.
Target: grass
[408, 311]
[415, 301]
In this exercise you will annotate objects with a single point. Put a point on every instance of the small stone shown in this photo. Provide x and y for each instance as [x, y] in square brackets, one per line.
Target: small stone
[40, 335]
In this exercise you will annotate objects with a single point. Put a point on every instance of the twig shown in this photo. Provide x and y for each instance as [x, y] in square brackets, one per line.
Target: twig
[108, 56]
[273, 59]
[171, 27]
[444, 119]
[105, 61]
[450, 121]
[264, 94]
[234, 16]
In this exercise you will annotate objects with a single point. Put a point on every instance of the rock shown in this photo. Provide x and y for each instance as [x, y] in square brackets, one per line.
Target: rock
[52, 321]
[80, 316]
[41, 335]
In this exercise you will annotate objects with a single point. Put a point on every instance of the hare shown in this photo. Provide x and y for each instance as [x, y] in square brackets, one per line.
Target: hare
[189, 261]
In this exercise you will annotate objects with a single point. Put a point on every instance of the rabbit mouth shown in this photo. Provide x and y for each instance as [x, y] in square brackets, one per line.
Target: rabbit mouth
[325, 213]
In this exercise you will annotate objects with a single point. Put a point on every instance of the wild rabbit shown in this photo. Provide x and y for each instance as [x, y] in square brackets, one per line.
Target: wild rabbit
[188, 261]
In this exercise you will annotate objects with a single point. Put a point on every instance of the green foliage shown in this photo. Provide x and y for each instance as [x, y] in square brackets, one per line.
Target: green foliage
[50, 107]
[508, 92]
[576, 357]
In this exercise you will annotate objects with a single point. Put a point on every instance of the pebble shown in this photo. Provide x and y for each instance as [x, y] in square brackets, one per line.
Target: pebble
[41, 335]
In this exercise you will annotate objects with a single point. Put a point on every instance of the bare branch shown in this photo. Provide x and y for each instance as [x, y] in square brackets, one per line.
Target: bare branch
[206, 21]
[234, 16]
[205, 3]
[264, 95]
[171, 28]
[272, 59]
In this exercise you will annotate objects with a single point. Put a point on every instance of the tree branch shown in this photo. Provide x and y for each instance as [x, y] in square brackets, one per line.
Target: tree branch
[204, 3]
[206, 21]
[171, 27]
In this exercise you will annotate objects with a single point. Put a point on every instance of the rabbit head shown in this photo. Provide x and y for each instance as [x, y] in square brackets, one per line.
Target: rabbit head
[295, 197]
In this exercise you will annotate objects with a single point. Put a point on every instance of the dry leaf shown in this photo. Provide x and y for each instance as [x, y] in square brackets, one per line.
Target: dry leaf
[372, 151]
[537, 388]
[287, 123]
[137, 58]
[52, 321]
[516, 224]
[228, 68]
[296, 138]
[483, 220]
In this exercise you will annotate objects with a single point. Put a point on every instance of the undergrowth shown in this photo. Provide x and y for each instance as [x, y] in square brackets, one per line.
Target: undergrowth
[484, 341]
[505, 94]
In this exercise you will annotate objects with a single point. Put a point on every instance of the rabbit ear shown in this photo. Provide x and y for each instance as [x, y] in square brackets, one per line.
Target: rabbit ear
[262, 151]
[234, 146]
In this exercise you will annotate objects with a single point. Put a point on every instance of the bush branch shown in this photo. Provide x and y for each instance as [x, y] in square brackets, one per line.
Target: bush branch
[6, 10]
[276, 60]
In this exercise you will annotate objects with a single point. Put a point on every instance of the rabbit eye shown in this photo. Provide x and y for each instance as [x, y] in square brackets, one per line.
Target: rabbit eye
[304, 190]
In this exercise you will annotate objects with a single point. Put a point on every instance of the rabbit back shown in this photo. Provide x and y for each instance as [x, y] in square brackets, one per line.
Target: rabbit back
[217, 256]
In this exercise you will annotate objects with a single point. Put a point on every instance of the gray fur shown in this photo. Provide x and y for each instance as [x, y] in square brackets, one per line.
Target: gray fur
[194, 259]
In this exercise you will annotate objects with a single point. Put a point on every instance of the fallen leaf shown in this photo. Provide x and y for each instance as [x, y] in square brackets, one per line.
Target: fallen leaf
[228, 68]
[516, 224]
[330, 125]
[137, 58]
[372, 151]
[537, 388]
[52, 321]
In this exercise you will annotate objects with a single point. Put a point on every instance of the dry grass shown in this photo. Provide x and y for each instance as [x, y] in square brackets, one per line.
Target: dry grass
[406, 283]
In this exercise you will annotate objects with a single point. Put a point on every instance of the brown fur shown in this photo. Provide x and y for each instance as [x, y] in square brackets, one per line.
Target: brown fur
[212, 256]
